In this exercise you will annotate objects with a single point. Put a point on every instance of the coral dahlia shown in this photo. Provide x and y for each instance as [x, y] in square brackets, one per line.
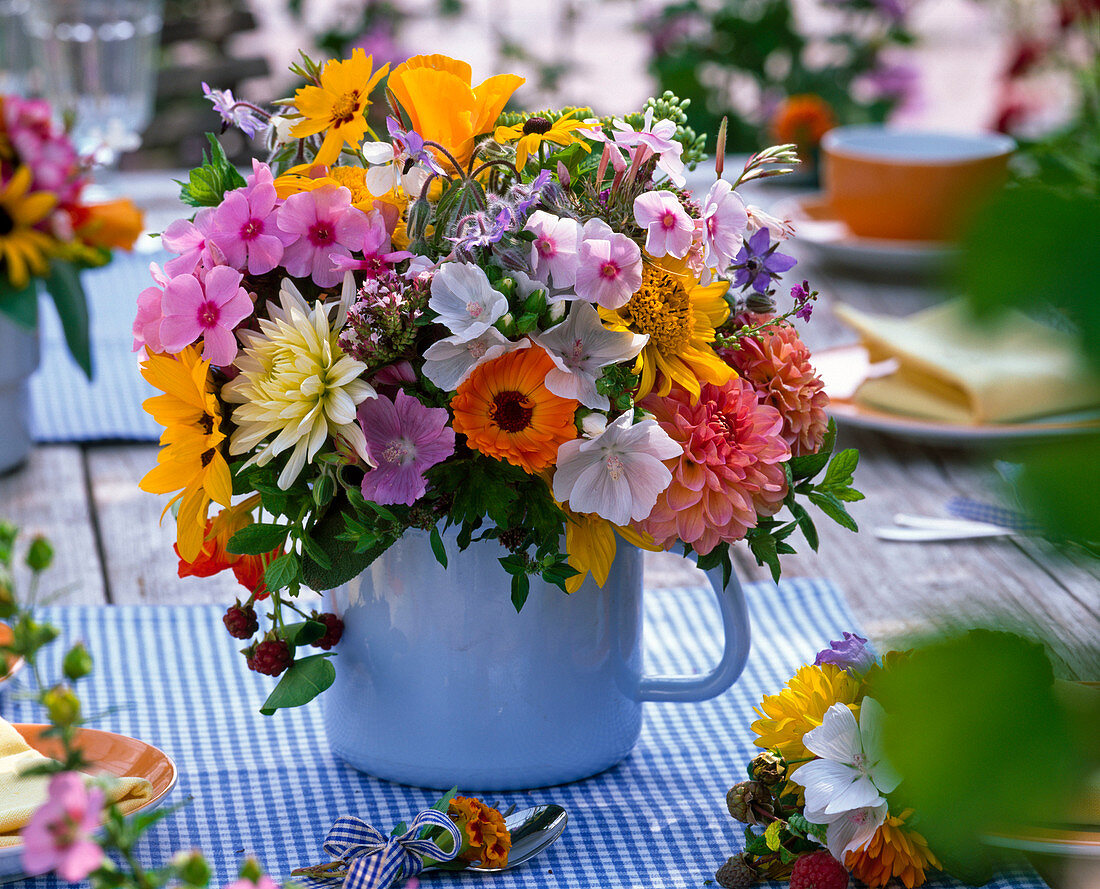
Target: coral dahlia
[731, 469]
[777, 363]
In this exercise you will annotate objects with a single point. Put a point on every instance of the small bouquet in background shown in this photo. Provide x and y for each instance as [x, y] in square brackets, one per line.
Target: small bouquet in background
[48, 232]
[824, 781]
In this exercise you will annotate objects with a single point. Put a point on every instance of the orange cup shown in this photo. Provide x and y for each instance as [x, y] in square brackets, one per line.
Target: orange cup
[910, 185]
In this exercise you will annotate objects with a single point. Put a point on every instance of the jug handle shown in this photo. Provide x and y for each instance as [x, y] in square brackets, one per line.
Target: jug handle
[735, 624]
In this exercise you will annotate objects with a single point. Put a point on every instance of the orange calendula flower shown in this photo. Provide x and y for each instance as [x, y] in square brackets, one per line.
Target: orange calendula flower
[109, 225]
[214, 556]
[249, 571]
[894, 852]
[803, 120]
[486, 839]
[338, 106]
[505, 411]
[437, 95]
[190, 459]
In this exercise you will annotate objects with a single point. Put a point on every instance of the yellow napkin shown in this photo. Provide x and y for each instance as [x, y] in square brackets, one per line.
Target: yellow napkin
[950, 369]
[21, 795]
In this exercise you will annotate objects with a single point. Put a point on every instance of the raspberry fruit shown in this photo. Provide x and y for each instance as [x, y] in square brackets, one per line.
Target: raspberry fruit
[334, 629]
[241, 621]
[736, 873]
[270, 657]
[819, 870]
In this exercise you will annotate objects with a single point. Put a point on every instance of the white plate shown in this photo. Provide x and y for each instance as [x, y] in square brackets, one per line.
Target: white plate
[844, 368]
[834, 244]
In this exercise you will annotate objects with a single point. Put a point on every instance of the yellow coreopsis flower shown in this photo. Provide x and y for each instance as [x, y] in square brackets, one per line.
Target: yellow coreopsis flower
[338, 106]
[680, 316]
[190, 459]
[23, 248]
[590, 545]
[437, 95]
[537, 129]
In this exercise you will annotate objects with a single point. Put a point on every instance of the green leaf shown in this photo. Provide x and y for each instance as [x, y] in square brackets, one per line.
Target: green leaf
[304, 632]
[208, 183]
[21, 306]
[771, 835]
[313, 549]
[301, 683]
[521, 589]
[763, 548]
[438, 548]
[282, 572]
[63, 284]
[345, 560]
[841, 471]
[785, 854]
[806, 524]
[257, 539]
[833, 508]
[811, 464]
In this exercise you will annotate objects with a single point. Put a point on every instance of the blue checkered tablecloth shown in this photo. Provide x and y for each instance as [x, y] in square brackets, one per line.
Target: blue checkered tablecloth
[269, 787]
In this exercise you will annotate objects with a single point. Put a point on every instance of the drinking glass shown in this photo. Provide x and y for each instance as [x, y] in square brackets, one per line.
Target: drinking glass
[96, 61]
[14, 54]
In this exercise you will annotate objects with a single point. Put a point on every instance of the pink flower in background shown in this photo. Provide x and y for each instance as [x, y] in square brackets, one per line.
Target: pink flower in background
[233, 112]
[187, 239]
[609, 268]
[655, 138]
[59, 835]
[146, 327]
[669, 229]
[405, 439]
[243, 227]
[322, 222]
[731, 468]
[210, 309]
[265, 882]
[43, 147]
[724, 222]
[554, 250]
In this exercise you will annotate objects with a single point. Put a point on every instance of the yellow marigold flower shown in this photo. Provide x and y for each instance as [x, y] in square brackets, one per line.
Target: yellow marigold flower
[190, 457]
[437, 95]
[895, 851]
[338, 106]
[680, 316]
[537, 129]
[591, 546]
[786, 717]
[24, 250]
[486, 839]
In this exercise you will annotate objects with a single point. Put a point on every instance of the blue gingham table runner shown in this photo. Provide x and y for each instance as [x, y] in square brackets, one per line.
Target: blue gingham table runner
[64, 405]
[269, 787]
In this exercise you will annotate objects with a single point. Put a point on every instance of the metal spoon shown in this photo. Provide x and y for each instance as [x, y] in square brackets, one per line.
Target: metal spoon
[532, 831]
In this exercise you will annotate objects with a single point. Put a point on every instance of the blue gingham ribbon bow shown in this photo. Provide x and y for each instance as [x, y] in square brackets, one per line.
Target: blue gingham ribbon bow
[374, 860]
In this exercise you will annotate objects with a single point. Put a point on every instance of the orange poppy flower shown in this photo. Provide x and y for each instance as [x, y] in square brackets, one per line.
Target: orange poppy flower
[505, 411]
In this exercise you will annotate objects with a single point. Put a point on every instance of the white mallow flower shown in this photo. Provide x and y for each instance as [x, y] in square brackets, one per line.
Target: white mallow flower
[448, 362]
[465, 300]
[383, 175]
[619, 474]
[847, 831]
[579, 347]
[851, 772]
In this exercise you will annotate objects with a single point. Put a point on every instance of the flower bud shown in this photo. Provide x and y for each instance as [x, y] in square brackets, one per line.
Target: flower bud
[251, 870]
[62, 705]
[557, 310]
[7, 594]
[420, 213]
[768, 768]
[40, 554]
[506, 324]
[192, 868]
[77, 663]
[760, 304]
[740, 799]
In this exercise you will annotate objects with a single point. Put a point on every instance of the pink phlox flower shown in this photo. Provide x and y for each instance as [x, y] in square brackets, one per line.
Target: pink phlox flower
[261, 174]
[44, 147]
[188, 240]
[580, 347]
[554, 250]
[244, 229]
[405, 439]
[724, 219]
[323, 222]
[609, 266]
[619, 474]
[150, 313]
[659, 138]
[209, 309]
[448, 362]
[669, 229]
[377, 256]
[59, 836]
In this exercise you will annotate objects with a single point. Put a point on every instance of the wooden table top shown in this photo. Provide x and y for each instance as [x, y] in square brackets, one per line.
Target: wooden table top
[111, 547]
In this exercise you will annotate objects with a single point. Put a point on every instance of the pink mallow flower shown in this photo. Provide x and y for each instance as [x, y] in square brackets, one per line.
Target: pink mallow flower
[323, 222]
[59, 836]
[244, 227]
[188, 239]
[730, 470]
[554, 250]
[609, 268]
[724, 222]
[150, 313]
[210, 309]
[669, 229]
[406, 439]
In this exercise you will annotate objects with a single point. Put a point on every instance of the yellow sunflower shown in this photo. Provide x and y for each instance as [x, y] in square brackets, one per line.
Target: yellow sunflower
[338, 106]
[680, 316]
[590, 544]
[190, 457]
[24, 250]
[895, 851]
[538, 129]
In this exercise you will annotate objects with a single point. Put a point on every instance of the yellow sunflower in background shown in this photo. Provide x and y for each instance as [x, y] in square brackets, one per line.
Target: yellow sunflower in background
[895, 851]
[338, 106]
[591, 546]
[190, 459]
[538, 129]
[680, 316]
[24, 250]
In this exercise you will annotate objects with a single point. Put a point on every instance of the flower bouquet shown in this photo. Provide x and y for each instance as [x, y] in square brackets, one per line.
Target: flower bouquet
[518, 326]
